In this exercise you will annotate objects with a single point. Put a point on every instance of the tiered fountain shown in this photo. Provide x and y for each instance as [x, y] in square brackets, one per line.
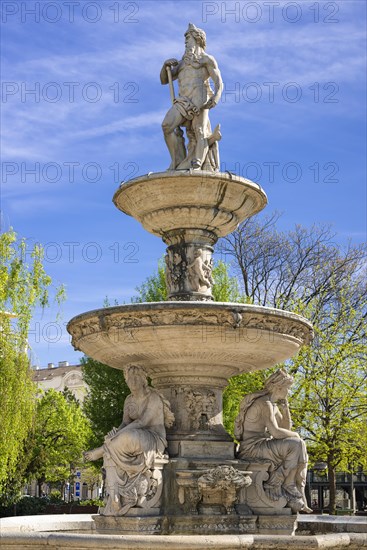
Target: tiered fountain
[190, 345]
[197, 494]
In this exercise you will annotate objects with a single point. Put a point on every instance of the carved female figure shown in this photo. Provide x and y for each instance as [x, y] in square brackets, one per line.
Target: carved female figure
[263, 427]
[129, 451]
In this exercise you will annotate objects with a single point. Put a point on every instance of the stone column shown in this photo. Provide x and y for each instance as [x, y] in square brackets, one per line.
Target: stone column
[189, 264]
[189, 271]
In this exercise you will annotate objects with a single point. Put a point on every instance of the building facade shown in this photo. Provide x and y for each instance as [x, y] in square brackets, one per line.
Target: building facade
[61, 377]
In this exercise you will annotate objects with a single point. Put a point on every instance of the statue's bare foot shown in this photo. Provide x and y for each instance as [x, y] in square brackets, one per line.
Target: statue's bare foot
[306, 509]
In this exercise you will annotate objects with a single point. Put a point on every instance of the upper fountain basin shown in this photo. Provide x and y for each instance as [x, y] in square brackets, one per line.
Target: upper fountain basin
[179, 201]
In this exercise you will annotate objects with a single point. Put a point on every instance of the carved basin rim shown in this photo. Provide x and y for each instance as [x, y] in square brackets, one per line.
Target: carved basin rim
[196, 307]
[206, 341]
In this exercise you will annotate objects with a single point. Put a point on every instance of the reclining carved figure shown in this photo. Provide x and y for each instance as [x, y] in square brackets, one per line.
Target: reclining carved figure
[263, 428]
[130, 450]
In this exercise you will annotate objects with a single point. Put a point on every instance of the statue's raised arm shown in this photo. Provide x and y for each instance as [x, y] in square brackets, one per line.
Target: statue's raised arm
[191, 107]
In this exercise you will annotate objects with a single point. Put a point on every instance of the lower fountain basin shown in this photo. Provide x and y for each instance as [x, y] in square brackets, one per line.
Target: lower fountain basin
[190, 350]
[190, 339]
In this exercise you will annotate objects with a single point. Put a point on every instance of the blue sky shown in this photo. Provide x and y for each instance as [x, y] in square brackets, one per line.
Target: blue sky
[82, 107]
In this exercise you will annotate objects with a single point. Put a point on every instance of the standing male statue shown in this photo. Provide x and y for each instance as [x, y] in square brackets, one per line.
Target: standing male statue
[191, 107]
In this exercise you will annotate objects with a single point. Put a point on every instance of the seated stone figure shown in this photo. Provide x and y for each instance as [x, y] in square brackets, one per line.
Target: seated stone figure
[263, 428]
[130, 450]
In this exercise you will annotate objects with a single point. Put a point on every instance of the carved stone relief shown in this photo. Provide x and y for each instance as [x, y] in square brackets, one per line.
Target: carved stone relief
[189, 271]
[219, 489]
[201, 406]
[237, 318]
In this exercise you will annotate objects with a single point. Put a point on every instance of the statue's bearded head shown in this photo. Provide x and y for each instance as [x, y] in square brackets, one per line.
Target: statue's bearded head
[197, 34]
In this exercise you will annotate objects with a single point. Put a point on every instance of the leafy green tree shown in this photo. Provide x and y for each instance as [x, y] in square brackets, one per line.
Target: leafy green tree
[306, 271]
[153, 289]
[92, 476]
[329, 400]
[238, 386]
[60, 434]
[24, 284]
[104, 403]
[226, 287]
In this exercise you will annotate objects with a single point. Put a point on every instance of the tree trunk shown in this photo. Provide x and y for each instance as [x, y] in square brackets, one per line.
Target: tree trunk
[62, 490]
[332, 489]
[39, 484]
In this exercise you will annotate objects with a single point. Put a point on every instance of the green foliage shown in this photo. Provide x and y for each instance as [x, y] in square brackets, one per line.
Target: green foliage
[12, 487]
[153, 289]
[92, 475]
[26, 506]
[90, 502]
[59, 436]
[17, 394]
[330, 396]
[225, 288]
[238, 387]
[329, 399]
[24, 285]
[23, 281]
[104, 403]
[54, 497]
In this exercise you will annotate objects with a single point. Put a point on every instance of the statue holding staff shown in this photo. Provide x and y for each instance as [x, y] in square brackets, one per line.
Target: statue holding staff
[191, 108]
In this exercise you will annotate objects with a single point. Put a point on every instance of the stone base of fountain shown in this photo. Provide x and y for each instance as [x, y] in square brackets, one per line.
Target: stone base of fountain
[80, 532]
[197, 525]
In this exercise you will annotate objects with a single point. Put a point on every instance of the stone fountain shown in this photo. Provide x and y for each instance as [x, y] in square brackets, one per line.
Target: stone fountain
[190, 345]
[172, 472]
